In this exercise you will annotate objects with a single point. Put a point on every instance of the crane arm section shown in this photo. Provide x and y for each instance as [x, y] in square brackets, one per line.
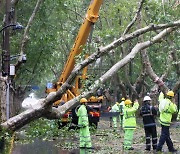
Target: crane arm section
[81, 39]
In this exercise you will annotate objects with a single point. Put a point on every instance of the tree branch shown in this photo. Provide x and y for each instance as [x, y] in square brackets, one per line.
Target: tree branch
[26, 31]
[135, 17]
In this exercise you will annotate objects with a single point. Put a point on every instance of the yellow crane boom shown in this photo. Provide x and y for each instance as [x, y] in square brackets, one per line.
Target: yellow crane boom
[81, 39]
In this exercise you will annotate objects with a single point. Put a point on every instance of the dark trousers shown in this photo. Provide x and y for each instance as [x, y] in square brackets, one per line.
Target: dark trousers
[165, 137]
[151, 132]
[110, 119]
[121, 120]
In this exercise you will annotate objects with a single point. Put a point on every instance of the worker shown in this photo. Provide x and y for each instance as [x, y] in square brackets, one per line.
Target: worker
[148, 112]
[129, 123]
[121, 106]
[167, 108]
[115, 109]
[83, 124]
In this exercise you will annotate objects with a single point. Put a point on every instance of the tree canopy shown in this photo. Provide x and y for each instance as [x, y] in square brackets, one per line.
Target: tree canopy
[133, 49]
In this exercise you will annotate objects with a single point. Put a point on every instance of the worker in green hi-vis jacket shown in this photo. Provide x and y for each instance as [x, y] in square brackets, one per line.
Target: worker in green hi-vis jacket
[115, 108]
[167, 108]
[83, 124]
[129, 123]
[121, 108]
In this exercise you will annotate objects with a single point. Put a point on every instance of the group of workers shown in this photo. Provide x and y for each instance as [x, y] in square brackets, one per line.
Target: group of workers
[127, 117]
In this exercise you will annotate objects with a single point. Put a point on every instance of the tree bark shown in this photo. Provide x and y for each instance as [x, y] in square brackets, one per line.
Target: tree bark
[3, 98]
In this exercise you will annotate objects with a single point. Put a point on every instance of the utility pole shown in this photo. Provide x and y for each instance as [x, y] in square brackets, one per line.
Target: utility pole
[6, 55]
[5, 43]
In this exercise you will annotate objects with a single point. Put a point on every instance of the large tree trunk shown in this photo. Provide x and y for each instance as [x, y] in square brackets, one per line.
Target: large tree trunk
[14, 100]
[3, 98]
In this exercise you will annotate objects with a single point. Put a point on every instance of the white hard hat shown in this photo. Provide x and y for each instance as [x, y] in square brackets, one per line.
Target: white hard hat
[146, 98]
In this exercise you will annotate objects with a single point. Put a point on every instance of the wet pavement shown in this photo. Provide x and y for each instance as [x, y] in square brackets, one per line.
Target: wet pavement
[41, 147]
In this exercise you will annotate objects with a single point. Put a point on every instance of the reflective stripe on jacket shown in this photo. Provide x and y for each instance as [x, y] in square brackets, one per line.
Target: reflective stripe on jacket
[129, 118]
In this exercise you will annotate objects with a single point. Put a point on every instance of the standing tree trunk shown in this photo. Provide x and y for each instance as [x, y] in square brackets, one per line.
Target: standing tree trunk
[3, 98]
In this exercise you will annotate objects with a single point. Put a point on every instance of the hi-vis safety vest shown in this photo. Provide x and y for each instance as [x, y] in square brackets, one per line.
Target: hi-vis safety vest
[129, 118]
[83, 116]
[166, 111]
[115, 108]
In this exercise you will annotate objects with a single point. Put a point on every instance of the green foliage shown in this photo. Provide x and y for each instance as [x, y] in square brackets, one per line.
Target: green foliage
[46, 130]
[4, 133]
[158, 13]
[55, 28]
[87, 83]
[51, 37]
[42, 128]
[5, 138]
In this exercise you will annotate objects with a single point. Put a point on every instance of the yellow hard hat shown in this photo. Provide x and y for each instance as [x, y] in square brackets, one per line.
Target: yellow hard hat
[117, 103]
[127, 102]
[170, 93]
[83, 100]
[123, 99]
[92, 98]
[100, 98]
